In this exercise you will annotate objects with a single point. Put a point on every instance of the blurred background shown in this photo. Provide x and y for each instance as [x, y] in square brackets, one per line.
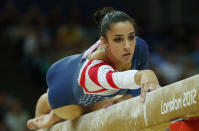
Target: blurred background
[36, 33]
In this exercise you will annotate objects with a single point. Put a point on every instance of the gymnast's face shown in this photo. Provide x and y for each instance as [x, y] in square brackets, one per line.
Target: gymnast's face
[120, 42]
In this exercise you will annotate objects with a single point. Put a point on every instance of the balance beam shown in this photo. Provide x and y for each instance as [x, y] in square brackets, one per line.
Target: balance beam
[177, 100]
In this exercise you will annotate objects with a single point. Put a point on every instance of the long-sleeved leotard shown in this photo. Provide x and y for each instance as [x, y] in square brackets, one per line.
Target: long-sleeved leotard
[98, 77]
[76, 80]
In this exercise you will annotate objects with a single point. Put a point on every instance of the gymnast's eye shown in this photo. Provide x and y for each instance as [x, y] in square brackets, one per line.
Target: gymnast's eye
[131, 37]
[117, 40]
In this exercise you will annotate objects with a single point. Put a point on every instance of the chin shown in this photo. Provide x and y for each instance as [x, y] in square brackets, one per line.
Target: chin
[126, 61]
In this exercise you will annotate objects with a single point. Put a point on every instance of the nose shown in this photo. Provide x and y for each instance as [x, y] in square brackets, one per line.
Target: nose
[126, 45]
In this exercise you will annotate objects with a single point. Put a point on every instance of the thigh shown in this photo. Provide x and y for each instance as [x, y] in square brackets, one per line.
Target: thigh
[60, 79]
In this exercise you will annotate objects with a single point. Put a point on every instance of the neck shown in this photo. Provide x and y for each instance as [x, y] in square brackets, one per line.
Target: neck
[117, 64]
[100, 54]
[123, 67]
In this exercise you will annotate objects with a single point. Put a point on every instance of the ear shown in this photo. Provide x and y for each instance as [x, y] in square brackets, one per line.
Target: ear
[103, 42]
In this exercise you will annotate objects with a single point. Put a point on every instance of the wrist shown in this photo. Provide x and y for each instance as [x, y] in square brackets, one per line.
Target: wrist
[140, 74]
[137, 77]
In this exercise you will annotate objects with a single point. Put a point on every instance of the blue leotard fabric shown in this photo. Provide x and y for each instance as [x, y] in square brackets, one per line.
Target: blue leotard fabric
[62, 79]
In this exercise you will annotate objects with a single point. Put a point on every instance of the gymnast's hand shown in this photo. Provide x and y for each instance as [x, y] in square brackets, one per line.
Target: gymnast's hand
[148, 81]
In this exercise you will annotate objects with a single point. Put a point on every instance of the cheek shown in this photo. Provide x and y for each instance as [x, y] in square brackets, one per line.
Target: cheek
[133, 45]
[116, 49]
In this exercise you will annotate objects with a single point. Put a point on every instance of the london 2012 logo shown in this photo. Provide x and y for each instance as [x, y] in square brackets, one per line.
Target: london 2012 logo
[187, 99]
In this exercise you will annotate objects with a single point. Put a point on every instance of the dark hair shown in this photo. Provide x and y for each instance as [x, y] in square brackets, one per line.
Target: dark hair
[108, 16]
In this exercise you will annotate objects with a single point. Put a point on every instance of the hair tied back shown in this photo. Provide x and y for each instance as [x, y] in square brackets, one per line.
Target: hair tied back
[99, 15]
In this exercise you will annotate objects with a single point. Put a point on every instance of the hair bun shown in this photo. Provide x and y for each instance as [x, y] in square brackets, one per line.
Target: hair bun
[99, 15]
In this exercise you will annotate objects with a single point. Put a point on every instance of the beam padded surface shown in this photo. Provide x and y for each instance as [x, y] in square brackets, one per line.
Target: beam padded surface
[177, 100]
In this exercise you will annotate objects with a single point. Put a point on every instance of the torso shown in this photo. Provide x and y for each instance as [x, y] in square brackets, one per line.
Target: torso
[99, 54]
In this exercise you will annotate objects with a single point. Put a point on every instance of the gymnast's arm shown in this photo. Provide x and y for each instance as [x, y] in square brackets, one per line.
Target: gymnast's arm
[105, 76]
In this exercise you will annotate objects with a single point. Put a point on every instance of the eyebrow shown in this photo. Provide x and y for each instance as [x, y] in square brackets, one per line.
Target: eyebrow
[132, 33]
[122, 34]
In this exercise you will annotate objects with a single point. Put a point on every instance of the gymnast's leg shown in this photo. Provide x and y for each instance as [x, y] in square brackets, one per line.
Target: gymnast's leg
[44, 116]
[42, 106]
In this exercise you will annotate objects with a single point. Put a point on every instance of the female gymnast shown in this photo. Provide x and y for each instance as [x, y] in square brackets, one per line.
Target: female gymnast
[114, 69]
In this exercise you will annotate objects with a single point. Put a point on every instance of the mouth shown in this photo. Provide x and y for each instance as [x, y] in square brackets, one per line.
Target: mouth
[127, 54]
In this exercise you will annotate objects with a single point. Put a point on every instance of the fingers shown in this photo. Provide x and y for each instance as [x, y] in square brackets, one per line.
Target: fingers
[149, 82]
[154, 87]
[145, 88]
[143, 92]
[107, 105]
